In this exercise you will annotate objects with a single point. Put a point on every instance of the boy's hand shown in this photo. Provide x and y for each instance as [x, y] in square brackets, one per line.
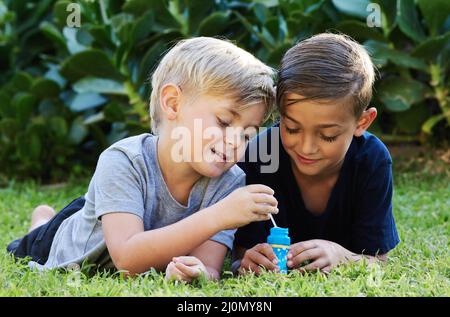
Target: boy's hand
[247, 204]
[185, 268]
[260, 256]
[323, 255]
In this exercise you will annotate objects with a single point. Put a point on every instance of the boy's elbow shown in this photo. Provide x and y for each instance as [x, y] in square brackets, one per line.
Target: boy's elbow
[124, 263]
[382, 257]
[125, 267]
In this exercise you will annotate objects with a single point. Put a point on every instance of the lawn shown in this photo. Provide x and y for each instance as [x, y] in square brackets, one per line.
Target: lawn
[419, 266]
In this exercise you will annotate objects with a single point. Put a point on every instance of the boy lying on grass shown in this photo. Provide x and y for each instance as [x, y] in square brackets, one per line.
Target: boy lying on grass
[145, 204]
[334, 182]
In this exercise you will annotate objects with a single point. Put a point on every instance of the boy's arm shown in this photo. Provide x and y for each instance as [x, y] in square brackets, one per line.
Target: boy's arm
[212, 255]
[236, 257]
[324, 255]
[134, 250]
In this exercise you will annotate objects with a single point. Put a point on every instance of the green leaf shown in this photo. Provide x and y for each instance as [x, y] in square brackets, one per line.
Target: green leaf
[102, 37]
[150, 59]
[162, 14]
[85, 101]
[6, 111]
[399, 94]
[264, 36]
[388, 15]
[355, 8]
[54, 75]
[53, 33]
[272, 28]
[78, 131]
[23, 104]
[49, 107]
[91, 62]
[73, 45]
[114, 112]
[435, 13]
[197, 11]
[408, 20]
[118, 132]
[122, 24]
[431, 48]
[60, 12]
[84, 37]
[95, 118]
[8, 128]
[360, 31]
[428, 126]
[261, 12]
[28, 146]
[214, 24]
[411, 120]
[21, 81]
[381, 52]
[58, 126]
[99, 85]
[45, 88]
[142, 28]
[38, 11]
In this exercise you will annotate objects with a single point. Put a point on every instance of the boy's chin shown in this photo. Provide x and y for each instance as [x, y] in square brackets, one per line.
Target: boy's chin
[309, 170]
[212, 169]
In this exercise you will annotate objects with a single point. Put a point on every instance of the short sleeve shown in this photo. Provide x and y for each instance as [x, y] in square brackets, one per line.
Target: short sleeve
[374, 230]
[117, 185]
[226, 237]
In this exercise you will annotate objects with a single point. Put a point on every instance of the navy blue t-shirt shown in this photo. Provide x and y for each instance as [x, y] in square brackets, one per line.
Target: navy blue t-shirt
[358, 215]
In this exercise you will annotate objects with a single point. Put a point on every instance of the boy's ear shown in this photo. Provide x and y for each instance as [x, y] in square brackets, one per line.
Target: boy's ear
[169, 100]
[365, 121]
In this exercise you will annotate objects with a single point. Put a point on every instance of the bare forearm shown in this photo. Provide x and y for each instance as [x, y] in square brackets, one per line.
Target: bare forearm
[156, 248]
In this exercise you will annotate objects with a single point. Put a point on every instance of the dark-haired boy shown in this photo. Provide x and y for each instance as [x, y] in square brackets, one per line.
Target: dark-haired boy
[334, 182]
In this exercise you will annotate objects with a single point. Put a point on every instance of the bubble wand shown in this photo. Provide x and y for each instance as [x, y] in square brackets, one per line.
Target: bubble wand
[273, 221]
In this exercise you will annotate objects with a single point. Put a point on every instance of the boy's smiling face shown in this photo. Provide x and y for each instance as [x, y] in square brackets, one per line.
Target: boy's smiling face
[225, 132]
[317, 134]
[210, 132]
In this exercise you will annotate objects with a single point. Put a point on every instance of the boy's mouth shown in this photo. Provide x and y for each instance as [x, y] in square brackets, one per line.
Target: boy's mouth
[222, 156]
[305, 160]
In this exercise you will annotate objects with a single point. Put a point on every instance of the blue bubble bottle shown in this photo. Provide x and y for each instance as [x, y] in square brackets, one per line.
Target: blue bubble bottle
[280, 241]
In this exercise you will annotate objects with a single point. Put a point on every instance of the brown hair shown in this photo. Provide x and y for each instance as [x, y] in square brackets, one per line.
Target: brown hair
[325, 67]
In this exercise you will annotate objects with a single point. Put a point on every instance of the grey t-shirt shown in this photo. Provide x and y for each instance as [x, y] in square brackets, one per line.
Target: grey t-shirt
[128, 179]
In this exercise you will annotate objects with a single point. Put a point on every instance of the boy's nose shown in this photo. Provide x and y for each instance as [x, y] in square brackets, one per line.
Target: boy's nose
[309, 146]
[232, 142]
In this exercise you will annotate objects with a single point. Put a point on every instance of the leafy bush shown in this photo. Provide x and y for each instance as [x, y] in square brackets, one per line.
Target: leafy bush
[66, 93]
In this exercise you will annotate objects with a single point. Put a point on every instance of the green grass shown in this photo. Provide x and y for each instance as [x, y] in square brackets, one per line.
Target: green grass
[419, 266]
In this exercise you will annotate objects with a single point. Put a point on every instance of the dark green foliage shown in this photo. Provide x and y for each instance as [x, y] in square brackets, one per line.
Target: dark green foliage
[67, 93]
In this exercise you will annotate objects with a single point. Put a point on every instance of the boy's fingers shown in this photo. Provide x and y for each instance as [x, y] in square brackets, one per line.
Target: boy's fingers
[263, 217]
[187, 270]
[316, 265]
[259, 188]
[249, 266]
[260, 259]
[310, 254]
[187, 260]
[262, 198]
[264, 209]
[300, 247]
[267, 250]
[176, 274]
[326, 269]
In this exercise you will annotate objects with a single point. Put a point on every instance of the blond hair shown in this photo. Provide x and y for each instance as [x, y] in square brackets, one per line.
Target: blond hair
[325, 67]
[206, 65]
